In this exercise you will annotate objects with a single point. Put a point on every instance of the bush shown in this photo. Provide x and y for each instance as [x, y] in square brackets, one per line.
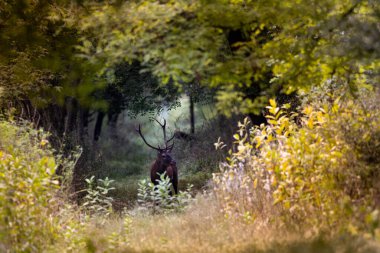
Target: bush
[27, 189]
[315, 168]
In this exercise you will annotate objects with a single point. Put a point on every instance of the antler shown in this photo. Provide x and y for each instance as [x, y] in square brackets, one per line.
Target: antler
[164, 131]
[163, 128]
[142, 136]
[168, 148]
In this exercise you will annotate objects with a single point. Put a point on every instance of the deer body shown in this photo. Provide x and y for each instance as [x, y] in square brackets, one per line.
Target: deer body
[164, 163]
[159, 167]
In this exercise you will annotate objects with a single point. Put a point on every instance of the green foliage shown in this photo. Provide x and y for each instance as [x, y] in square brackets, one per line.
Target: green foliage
[97, 202]
[37, 56]
[158, 198]
[128, 90]
[309, 168]
[36, 215]
[249, 50]
[27, 189]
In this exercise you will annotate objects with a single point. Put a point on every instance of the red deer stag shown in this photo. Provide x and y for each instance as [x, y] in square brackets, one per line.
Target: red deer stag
[164, 162]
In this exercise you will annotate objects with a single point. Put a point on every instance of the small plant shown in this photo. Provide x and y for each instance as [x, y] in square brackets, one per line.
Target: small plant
[158, 198]
[97, 200]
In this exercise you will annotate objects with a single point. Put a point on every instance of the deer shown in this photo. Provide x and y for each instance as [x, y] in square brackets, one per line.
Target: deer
[164, 163]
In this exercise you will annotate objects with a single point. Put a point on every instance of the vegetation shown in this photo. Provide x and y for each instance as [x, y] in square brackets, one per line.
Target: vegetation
[306, 167]
[159, 197]
[27, 189]
[273, 107]
[247, 50]
[97, 201]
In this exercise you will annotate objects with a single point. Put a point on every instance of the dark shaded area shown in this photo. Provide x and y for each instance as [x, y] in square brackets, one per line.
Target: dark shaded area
[262, 88]
[69, 121]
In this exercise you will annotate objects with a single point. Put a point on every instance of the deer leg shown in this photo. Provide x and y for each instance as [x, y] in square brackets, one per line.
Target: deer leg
[169, 173]
[175, 187]
[175, 184]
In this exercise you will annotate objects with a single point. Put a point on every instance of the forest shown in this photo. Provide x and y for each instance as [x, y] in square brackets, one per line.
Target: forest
[190, 126]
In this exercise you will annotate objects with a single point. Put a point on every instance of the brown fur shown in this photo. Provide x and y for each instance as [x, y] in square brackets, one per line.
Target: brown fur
[160, 166]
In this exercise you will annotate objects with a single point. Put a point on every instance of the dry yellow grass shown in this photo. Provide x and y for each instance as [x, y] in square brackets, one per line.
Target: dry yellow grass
[202, 228]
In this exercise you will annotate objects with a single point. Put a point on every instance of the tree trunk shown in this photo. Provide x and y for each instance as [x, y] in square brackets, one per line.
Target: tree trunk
[98, 125]
[192, 118]
[83, 125]
[71, 117]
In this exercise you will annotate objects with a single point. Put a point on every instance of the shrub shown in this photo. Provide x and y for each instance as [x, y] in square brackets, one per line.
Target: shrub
[158, 198]
[27, 189]
[315, 168]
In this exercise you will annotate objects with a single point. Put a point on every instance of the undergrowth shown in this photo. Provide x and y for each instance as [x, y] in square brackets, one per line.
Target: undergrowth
[307, 182]
[315, 170]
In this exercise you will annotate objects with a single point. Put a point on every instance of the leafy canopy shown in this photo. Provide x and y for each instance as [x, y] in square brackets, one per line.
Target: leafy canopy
[235, 46]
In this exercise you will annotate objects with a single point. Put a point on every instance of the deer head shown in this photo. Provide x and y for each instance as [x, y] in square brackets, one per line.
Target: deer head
[163, 154]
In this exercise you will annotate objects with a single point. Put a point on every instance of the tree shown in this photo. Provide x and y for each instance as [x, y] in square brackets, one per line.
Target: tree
[135, 92]
[248, 50]
[42, 73]
[47, 82]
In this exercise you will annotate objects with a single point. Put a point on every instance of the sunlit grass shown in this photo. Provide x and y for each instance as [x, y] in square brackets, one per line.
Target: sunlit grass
[202, 228]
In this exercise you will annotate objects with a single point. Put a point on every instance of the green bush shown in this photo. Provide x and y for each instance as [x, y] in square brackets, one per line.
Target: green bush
[27, 189]
[316, 168]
